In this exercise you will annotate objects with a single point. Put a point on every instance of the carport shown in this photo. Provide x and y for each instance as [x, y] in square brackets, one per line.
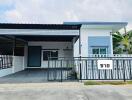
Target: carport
[22, 48]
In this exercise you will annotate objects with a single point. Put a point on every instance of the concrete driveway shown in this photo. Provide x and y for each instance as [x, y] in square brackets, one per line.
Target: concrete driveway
[64, 91]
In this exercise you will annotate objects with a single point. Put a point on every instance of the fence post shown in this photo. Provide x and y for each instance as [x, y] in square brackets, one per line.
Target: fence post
[92, 65]
[124, 78]
[55, 70]
[61, 70]
[130, 73]
[80, 71]
[117, 66]
[48, 70]
[86, 69]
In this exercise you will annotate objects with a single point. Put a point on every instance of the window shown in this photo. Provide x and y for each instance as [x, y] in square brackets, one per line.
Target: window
[46, 54]
[53, 55]
[103, 50]
[99, 50]
[95, 51]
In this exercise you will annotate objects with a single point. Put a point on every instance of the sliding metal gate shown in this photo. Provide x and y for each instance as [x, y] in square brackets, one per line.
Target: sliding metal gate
[61, 70]
[87, 69]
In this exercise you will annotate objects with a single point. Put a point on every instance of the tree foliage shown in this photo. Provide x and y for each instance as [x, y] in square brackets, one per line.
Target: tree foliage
[122, 43]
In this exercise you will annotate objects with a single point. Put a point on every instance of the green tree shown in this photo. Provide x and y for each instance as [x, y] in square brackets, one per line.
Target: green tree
[122, 43]
[130, 41]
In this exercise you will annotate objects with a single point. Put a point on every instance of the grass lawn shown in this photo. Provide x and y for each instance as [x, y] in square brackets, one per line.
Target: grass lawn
[107, 82]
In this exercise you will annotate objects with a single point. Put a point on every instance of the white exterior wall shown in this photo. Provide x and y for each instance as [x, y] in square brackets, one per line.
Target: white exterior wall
[54, 45]
[76, 48]
[85, 33]
[18, 63]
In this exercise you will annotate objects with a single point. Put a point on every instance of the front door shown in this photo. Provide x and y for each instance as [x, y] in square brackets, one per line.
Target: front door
[34, 56]
[46, 54]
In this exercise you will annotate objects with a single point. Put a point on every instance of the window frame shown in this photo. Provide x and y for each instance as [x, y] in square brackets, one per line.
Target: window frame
[50, 55]
[99, 48]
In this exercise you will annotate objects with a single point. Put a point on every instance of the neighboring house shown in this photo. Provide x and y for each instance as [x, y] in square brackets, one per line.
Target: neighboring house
[31, 45]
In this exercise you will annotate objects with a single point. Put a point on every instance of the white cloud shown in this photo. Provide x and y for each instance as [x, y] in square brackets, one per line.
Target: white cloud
[6, 2]
[57, 11]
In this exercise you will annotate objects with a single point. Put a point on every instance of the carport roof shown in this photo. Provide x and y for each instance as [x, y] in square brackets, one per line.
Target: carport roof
[46, 38]
[39, 26]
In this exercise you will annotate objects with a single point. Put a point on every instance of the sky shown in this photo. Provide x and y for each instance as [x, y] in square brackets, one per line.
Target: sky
[59, 11]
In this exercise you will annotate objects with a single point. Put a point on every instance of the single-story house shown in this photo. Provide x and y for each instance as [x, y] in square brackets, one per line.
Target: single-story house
[31, 45]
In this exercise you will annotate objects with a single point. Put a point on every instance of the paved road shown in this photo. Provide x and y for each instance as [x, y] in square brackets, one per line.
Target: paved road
[64, 91]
